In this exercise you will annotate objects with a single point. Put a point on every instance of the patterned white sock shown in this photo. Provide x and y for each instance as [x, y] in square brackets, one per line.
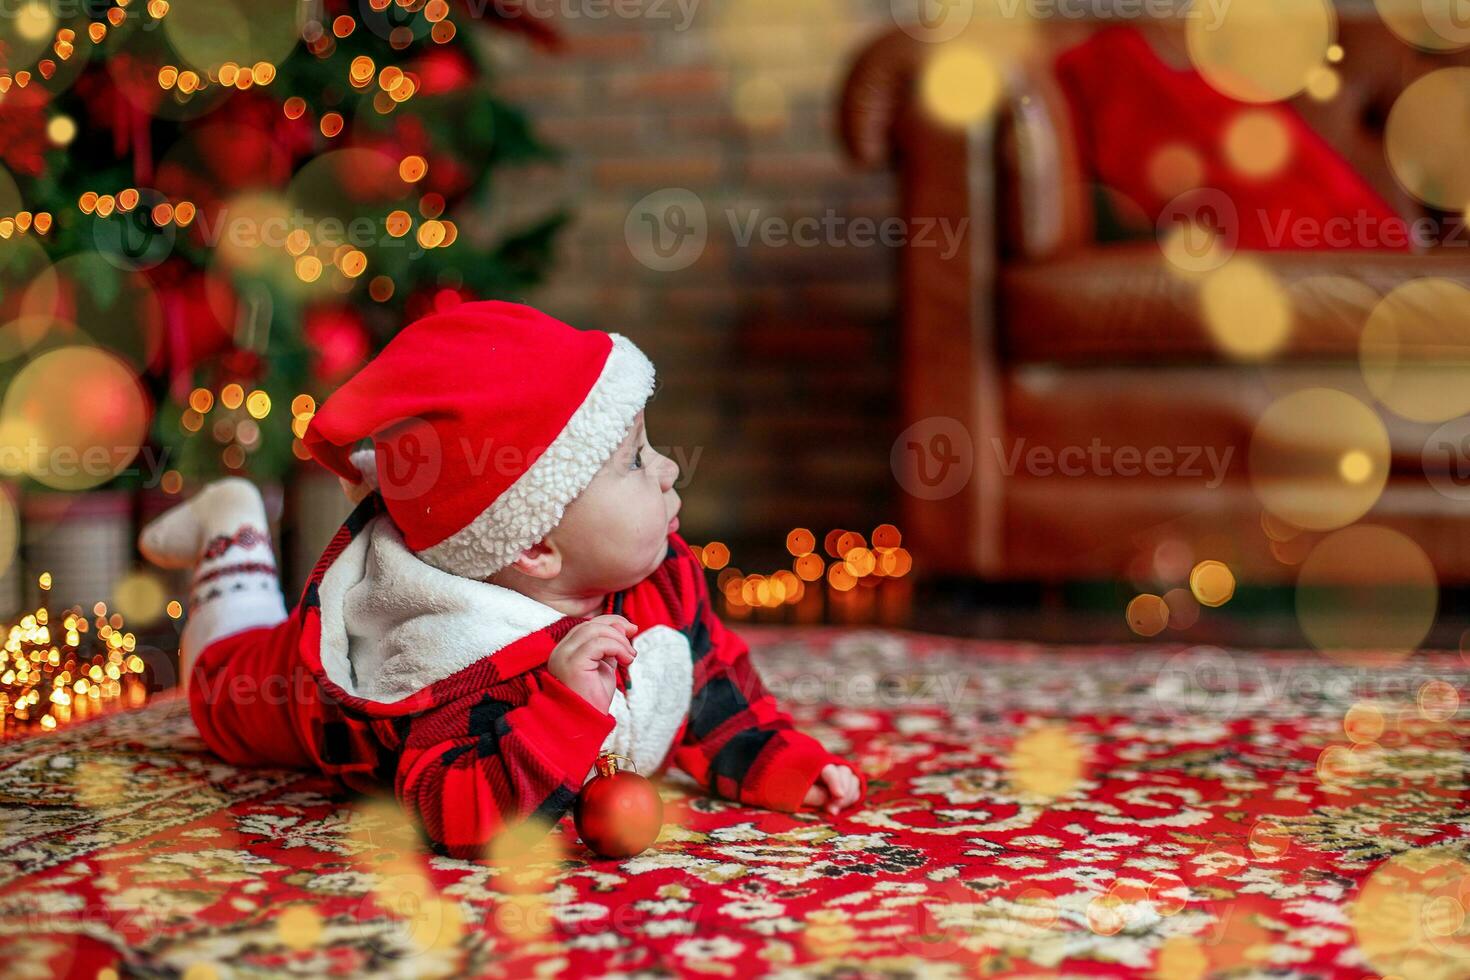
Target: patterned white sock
[223, 533]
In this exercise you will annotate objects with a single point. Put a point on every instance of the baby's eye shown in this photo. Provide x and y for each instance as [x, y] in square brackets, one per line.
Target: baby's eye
[638, 458]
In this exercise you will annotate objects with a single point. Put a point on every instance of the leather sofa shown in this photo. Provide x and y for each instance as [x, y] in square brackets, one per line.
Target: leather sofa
[1038, 334]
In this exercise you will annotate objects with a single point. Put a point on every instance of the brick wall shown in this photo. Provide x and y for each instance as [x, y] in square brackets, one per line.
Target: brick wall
[777, 361]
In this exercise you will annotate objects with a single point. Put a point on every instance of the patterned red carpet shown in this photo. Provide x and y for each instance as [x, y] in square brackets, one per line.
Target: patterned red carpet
[1165, 812]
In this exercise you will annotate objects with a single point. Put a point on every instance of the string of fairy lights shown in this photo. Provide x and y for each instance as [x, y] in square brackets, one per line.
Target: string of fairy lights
[232, 418]
[54, 674]
[394, 87]
[850, 573]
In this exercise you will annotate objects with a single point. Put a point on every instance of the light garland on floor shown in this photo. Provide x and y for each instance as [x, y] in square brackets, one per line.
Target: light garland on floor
[860, 582]
[46, 684]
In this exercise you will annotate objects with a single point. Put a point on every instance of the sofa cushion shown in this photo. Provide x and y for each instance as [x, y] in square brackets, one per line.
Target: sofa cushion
[1127, 304]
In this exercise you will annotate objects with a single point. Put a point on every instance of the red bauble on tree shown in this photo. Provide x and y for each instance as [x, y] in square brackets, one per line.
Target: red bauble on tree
[339, 342]
[618, 813]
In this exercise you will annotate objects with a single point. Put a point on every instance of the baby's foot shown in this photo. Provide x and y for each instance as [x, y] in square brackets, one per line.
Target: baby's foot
[176, 538]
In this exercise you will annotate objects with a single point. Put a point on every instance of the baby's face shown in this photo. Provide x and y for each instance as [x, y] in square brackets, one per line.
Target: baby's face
[615, 534]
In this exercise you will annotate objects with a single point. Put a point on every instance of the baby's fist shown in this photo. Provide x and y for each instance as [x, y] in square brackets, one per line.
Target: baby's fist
[837, 788]
[587, 658]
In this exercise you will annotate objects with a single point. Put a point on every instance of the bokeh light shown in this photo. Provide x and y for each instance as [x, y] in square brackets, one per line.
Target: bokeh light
[23, 262]
[1247, 311]
[210, 33]
[1148, 615]
[140, 597]
[1257, 143]
[1175, 168]
[1367, 594]
[1427, 138]
[1408, 915]
[1297, 458]
[1047, 761]
[960, 84]
[119, 307]
[1364, 723]
[82, 414]
[1262, 50]
[9, 531]
[1433, 25]
[1414, 350]
[1212, 583]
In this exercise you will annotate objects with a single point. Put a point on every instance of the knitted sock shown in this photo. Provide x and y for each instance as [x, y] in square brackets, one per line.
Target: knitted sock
[223, 534]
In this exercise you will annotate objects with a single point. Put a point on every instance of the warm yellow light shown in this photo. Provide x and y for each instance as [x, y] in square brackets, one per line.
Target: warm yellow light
[1257, 143]
[413, 168]
[1248, 312]
[960, 85]
[61, 130]
[716, 555]
[1212, 583]
[1148, 615]
[1356, 466]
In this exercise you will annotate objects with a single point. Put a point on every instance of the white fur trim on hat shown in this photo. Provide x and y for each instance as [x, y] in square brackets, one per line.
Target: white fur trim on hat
[527, 511]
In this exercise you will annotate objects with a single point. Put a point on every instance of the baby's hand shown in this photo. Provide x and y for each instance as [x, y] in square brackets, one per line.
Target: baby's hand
[586, 660]
[836, 788]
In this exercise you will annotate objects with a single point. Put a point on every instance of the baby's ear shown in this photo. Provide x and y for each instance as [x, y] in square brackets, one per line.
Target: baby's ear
[541, 560]
[367, 464]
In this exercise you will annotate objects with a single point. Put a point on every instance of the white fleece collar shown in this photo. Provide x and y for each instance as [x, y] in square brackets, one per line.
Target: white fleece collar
[392, 624]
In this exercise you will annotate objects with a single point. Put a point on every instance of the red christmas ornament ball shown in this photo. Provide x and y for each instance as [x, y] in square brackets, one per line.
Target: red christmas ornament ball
[618, 813]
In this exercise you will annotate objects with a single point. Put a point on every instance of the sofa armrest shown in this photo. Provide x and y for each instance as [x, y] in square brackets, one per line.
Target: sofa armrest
[949, 365]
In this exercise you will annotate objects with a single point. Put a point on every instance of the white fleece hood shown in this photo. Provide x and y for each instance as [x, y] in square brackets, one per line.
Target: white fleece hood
[392, 625]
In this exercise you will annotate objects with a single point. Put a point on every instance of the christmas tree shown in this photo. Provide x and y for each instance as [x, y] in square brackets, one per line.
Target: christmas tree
[240, 200]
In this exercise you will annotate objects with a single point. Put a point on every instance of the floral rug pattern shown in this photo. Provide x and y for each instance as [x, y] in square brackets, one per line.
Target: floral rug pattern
[1169, 812]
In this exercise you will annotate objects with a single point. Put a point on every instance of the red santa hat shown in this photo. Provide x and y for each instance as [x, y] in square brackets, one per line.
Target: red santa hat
[487, 420]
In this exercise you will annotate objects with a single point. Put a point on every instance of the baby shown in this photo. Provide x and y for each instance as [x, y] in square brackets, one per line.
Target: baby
[509, 598]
